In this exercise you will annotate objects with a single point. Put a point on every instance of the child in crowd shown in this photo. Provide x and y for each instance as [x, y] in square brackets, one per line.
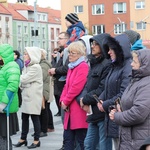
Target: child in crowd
[76, 30]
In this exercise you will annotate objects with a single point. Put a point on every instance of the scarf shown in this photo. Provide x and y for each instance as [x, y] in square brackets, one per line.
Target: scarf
[76, 63]
[27, 62]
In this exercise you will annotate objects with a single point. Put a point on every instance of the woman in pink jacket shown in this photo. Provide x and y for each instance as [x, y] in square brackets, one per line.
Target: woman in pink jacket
[75, 125]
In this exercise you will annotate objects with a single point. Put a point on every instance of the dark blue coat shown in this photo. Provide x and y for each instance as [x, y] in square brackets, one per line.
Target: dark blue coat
[117, 79]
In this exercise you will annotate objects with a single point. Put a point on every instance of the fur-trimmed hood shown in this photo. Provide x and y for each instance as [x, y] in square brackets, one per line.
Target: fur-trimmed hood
[121, 46]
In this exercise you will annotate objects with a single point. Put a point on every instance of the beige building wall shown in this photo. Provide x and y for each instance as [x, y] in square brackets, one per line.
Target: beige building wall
[67, 6]
[137, 15]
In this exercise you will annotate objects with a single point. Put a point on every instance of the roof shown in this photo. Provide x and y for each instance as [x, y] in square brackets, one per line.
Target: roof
[3, 10]
[54, 16]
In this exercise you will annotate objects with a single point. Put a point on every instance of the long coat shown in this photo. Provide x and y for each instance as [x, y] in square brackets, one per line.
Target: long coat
[135, 101]
[32, 84]
[75, 81]
[117, 80]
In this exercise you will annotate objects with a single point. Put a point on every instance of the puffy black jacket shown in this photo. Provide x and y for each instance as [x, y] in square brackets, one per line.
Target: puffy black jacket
[117, 79]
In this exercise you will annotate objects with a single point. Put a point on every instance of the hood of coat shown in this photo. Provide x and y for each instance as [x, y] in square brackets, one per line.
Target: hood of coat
[100, 38]
[144, 59]
[86, 40]
[121, 46]
[6, 53]
[34, 54]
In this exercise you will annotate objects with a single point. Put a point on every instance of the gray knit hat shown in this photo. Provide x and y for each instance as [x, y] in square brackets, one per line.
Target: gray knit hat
[133, 36]
[72, 18]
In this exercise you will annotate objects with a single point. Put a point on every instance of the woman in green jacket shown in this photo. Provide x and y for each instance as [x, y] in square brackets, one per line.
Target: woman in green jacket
[9, 82]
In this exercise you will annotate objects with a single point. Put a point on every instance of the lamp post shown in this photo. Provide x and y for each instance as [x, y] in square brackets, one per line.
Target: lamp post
[35, 24]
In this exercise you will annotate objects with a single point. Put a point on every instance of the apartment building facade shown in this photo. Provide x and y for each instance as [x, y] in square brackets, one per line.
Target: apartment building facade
[27, 27]
[111, 16]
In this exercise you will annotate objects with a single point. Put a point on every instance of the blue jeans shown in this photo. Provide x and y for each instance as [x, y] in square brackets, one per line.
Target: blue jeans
[96, 138]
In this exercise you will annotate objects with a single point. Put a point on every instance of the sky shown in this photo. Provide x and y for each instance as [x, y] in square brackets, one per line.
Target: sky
[55, 4]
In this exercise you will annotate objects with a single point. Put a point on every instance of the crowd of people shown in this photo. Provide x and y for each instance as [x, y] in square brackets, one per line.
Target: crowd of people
[101, 92]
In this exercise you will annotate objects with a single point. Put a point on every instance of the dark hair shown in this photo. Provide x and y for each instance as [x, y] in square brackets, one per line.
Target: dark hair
[17, 53]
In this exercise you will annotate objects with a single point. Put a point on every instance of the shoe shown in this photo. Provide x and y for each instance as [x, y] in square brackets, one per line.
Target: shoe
[58, 114]
[34, 145]
[19, 144]
[50, 130]
[42, 134]
[62, 78]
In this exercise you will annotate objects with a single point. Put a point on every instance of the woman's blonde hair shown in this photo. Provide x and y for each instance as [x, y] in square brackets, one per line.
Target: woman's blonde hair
[78, 47]
[43, 53]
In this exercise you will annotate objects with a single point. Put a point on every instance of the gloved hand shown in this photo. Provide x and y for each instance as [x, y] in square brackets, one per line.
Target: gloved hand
[2, 106]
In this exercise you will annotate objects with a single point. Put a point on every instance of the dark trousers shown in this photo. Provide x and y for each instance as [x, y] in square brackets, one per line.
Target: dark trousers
[57, 98]
[25, 126]
[44, 118]
[50, 117]
[4, 144]
[70, 137]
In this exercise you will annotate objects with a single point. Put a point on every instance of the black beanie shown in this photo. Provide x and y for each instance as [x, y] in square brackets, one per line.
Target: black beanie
[72, 18]
[132, 35]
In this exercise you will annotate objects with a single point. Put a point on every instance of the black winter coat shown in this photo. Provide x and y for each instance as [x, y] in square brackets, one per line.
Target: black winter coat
[117, 80]
[61, 70]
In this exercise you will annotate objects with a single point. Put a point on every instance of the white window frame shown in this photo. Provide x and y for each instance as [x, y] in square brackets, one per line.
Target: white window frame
[78, 9]
[140, 5]
[116, 7]
[119, 28]
[95, 29]
[98, 9]
[140, 25]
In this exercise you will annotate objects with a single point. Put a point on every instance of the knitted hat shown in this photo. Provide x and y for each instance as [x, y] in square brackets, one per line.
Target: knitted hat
[146, 143]
[72, 18]
[133, 36]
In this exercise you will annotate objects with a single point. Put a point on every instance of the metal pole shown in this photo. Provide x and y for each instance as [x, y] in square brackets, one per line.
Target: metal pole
[35, 23]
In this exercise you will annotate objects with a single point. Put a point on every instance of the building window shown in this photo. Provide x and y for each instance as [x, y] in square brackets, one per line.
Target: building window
[57, 31]
[39, 16]
[141, 26]
[97, 9]
[119, 28]
[52, 33]
[25, 43]
[98, 29]
[44, 44]
[19, 45]
[25, 29]
[119, 8]
[140, 5]
[52, 45]
[19, 29]
[44, 17]
[43, 31]
[78, 9]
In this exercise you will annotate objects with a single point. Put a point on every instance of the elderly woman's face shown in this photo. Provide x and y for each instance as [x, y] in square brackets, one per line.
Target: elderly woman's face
[26, 56]
[73, 55]
[135, 62]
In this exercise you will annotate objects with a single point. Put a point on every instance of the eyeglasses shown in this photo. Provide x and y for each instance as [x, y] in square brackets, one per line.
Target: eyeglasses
[72, 53]
[94, 43]
[61, 38]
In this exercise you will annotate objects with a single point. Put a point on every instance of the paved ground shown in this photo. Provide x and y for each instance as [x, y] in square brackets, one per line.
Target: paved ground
[54, 139]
